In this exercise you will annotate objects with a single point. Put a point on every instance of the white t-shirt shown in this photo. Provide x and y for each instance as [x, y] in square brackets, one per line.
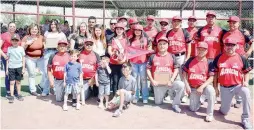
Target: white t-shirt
[99, 48]
[15, 55]
[59, 36]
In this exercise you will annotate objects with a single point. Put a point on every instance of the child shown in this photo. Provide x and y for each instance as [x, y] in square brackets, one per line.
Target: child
[127, 87]
[103, 81]
[16, 66]
[72, 79]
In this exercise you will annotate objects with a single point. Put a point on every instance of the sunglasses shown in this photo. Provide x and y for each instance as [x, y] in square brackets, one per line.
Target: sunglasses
[89, 44]
[230, 45]
[134, 24]
[112, 23]
[164, 24]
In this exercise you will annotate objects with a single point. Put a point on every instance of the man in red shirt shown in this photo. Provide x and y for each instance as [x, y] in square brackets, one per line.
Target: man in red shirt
[5, 42]
[56, 65]
[89, 61]
[241, 40]
[198, 76]
[232, 71]
[164, 29]
[162, 63]
[150, 30]
[192, 30]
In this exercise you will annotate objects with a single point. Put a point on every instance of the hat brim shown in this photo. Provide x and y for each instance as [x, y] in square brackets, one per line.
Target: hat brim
[211, 15]
[202, 47]
[62, 43]
[233, 21]
[192, 18]
[15, 39]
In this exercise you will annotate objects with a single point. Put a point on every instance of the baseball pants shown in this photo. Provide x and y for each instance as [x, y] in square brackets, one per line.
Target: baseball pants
[227, 95]
[59, 90]
[160, 91]
[195, 99]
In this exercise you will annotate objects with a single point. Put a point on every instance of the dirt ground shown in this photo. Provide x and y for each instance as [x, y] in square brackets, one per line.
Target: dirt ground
[46, 113]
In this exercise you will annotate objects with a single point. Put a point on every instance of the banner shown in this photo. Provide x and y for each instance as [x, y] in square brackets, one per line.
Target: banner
[135, 52]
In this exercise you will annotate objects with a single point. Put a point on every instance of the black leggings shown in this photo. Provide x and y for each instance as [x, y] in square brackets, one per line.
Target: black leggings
[116, 74]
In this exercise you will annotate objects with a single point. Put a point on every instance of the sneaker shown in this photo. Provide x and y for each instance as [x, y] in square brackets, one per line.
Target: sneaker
[135, 101]
[78, 106]
[126, 105]
[65, 107]
[44, 94]
[11, 99]
[34, 94]
[39, 88]
[246, 124]
[184, 99]
[117, 113]
[145, 101]
[52, 91]
[209, 118]
[83, 103]
[74, 104]
[238, 104]
[101, 106]
[20, 98]
[8, 95]
[168, 98]
[176, 108]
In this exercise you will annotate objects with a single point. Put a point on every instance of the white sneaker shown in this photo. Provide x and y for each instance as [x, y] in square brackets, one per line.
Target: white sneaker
[78, 106]
[83, 103]
[135, 101]
[74, 104]
[101, 106]
[184, 99]
[209, 118]
[145, 101]
[65, 107]
[168, 98]
[44, 94]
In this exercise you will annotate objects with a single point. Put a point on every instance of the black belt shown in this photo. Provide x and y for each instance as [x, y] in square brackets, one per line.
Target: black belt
[58, 79]
[229, 86]
[179, 54]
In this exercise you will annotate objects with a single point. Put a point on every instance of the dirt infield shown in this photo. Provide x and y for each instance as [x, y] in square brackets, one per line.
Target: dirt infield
[44, 113]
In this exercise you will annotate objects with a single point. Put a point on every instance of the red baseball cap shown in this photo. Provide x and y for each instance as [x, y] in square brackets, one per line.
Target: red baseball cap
[164, 20]
[210, 13]
[162, 39]
[122, 18]
[62, 42]
[192, 17]
[119, 25]
[234, 19]
[202, 45]
[176, 18]
[15, 37]
[133, 20]
[138, 27]
[88, 40]
[150, 17]
[230, 40]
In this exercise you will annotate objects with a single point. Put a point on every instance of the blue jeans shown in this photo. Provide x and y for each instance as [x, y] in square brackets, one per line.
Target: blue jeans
[31, 64]
[7, 82]
[45, 80]
[139, 72]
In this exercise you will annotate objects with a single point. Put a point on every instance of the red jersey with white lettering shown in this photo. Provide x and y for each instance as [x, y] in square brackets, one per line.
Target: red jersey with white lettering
[212, 36]
[161, 64]
[57, 63]
[140, 44]
[193, 33]
[151, 32]
[239, 38]
[198, 71]
[6, 39]
[230, 69]
[121, 48]
[177, 41]
[89, 62]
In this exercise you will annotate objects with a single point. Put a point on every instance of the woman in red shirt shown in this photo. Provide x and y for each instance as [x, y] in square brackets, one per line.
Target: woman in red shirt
[33, 44]
[139, 63]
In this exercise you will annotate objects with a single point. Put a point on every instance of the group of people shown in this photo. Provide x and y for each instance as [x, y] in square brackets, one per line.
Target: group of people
[192, 63]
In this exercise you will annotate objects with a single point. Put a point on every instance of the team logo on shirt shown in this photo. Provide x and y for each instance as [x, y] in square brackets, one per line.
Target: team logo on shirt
[56, 63]
[162, 69]
[197, 76]
[175, 43]
[88, 66]
[59, 68]
[211, 38]
[225, 71]
[222, 65]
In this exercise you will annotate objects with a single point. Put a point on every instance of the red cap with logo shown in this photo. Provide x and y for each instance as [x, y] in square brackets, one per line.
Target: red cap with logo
[89, 40]
[150, 17]
[202, 45]
[164, 20]
[62, 42]
[138, 27]
[210, 13]
[192, 17]
[230, 40]
[234, 19]
[176, 18]
[133, 20]
[162, 39]
[119, 25]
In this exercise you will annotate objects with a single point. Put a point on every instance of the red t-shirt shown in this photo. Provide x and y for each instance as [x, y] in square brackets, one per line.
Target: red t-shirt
[213, 40]
[151, 32]
[161, 64]
[239, 38]
[198, 71]
[177, 41]
[193, 33]
[89, 62]
[57, 63]
[124, 42]
[231, 69]
[6, 38]
[143, 45]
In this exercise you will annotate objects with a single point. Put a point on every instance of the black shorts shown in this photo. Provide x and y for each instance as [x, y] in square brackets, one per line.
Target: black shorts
[15, 74]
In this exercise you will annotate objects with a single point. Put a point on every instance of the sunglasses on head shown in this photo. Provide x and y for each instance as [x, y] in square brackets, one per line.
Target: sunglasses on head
[230, 44]
[112, 23]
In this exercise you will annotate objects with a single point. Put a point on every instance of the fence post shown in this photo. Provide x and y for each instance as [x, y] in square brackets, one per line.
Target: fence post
[38, 12]
[73, 15]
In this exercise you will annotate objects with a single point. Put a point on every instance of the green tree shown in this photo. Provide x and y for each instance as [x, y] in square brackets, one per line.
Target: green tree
[44, 18]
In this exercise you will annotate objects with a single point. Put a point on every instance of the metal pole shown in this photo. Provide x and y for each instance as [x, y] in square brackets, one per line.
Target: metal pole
[64, 12]
[240, 11]
[38, 12]
[194, 4]
[73, 15]
[103, 13]
[13, 10]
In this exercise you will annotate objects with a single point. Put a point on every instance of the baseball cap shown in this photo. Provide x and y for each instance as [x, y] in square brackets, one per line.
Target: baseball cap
[150, 17]
[162, 39]
[164, 20]
[113, 21]
[233, 18]
[122, 18]
[119, 25]
[230, 41]
[176, 18]
[210, 13]
[138, 27]
[192, 17]
[88, 40]
[133, 20]
[15, 37]
[202, 45]
[62, 42]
